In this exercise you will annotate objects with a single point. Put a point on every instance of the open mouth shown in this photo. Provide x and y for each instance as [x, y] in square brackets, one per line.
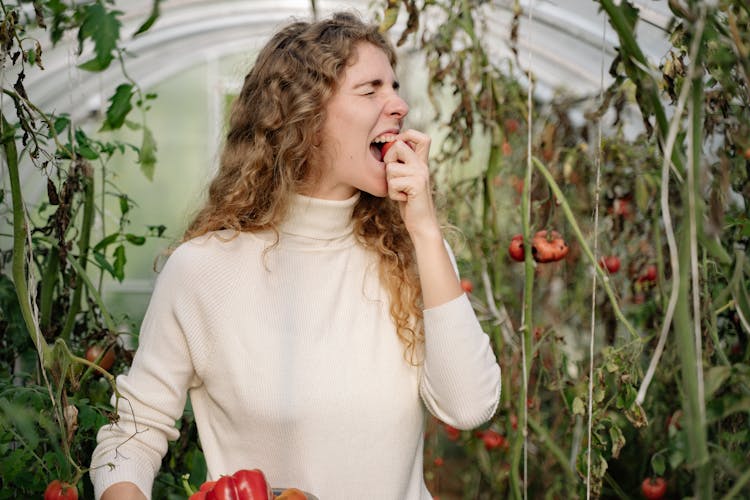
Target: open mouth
[376, 146]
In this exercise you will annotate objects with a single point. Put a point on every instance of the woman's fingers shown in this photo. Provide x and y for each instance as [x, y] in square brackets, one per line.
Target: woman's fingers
[418, 141]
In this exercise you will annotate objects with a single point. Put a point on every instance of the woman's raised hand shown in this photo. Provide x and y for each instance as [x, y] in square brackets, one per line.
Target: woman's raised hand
[408, 177]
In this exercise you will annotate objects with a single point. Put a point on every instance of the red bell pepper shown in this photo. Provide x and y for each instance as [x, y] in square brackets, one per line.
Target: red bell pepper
[242, 485]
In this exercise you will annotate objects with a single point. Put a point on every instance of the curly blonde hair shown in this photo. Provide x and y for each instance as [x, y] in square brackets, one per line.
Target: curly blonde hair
[275, 124]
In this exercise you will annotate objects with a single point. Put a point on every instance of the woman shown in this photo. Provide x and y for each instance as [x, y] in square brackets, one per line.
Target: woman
[312, 311]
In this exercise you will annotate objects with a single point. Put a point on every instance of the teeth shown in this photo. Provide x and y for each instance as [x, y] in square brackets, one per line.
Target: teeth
[385, 138]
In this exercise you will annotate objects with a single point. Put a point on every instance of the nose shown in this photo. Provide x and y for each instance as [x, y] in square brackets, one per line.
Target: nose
[397, 106]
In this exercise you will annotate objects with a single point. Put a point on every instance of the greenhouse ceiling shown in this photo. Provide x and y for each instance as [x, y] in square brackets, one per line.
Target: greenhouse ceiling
[565, 43]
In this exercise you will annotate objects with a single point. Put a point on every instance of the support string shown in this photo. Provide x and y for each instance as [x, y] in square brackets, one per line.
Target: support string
[592, 335]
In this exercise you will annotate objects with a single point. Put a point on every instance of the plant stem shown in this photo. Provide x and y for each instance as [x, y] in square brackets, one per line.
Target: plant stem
[49, 280]
[19, 241]
[737, 487]
[83, 249]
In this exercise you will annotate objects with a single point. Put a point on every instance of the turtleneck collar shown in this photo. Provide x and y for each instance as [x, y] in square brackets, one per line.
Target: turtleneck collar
[319, 219]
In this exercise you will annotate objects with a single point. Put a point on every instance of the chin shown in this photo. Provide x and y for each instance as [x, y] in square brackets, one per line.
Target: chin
[377, 191]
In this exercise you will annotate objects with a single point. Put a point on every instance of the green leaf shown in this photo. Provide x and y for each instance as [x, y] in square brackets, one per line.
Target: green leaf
[106, 241]
[103, 28]
[631, 14]
[101, 259]
[157, 231]
[390, 16]
[87, 153]
[61, 123]
[658, 464]
[618, 440]
[19, 417]
[147, 154]
[120, 261]
[155, 12]
[84, 146]
[119, 108]
[579, 408]
[135, 240]
[124, 204]
[714, 378]
[676, 458]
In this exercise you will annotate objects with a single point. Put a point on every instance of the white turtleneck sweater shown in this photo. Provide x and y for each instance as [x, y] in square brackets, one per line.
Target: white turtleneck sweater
[293, 366]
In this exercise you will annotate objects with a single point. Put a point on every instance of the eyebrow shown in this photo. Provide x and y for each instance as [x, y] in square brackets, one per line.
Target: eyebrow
[377, 83]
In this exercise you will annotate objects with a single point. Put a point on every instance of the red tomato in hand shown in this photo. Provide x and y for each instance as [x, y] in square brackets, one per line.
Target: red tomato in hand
[95, 350]
[654, 489]
[386, 147]
[515, 250]
[467, 285]
[57, 490]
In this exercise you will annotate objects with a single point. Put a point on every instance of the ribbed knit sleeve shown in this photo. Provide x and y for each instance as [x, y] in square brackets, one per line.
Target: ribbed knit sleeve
[460, 382]
[152, 394]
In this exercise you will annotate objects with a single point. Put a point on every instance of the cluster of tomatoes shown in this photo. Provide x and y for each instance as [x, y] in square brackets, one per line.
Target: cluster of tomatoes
[245, 484]
[546, 246]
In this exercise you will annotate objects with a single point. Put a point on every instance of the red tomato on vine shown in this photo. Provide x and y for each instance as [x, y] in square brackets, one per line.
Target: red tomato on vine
[654, 488]
[106, 362]
[58, 490]
[515, 250]
[611, 263]
[492, 440]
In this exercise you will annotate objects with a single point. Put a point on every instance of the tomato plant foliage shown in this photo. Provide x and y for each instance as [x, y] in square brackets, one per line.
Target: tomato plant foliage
[680, 239]
[52, 398]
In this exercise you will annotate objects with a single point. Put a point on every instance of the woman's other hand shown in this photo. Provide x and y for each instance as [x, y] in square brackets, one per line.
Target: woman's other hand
[123, 491]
